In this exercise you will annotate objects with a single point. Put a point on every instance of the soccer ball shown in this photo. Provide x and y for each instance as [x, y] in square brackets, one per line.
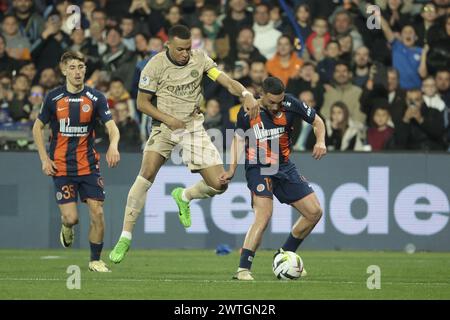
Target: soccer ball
[287, 265]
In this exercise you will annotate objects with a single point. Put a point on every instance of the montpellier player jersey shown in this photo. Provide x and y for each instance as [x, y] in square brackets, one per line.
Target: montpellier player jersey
[267, 129]
[72, 118]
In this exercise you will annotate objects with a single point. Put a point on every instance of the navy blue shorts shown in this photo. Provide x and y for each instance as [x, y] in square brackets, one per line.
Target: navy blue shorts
[287, 185]
[88, 186]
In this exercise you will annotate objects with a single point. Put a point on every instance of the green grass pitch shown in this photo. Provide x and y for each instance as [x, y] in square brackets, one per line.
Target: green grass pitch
[200, 274]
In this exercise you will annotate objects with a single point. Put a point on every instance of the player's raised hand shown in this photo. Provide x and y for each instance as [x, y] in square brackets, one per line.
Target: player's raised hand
[319, 150]
[251, 106]
[112, 156]
[226, 177]
[49, 167]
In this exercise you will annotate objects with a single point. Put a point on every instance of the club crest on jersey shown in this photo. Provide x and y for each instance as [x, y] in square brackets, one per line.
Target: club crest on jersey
[194, 74]
[86, 108]
[59, 196]
[145, 81]
[260, 187]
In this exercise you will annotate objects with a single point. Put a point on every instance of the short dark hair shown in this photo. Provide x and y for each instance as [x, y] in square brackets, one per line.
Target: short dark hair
[114, 28]
[273, 85]
[179, 31]
[342, 63]
[116, 79]
[72, 55]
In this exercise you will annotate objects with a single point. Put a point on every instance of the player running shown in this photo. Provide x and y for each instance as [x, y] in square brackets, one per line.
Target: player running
[174, 76]
[72, 110]
[271, 131]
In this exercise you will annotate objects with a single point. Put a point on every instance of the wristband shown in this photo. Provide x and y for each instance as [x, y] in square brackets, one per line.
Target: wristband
[246, 92]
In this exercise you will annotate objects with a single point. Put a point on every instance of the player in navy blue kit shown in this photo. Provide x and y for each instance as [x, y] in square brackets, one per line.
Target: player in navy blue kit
[72, 161]
[270, 172]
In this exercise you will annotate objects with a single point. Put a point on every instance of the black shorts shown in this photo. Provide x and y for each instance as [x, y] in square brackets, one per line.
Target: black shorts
[287, 184]
[88, 186]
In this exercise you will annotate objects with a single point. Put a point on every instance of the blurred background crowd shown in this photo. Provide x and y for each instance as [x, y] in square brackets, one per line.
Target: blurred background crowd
[378, 86]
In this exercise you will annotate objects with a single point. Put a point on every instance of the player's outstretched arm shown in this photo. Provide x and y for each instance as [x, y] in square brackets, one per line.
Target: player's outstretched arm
[320, 149]
[48, 166]
[113, 155]
[236, 149]
[145, 106]
[237, 89]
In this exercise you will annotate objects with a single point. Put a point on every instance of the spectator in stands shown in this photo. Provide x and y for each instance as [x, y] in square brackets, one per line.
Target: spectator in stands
[303, 18]
[256, 76]
[342, 24]
[127, 28]
[326, 65]
[317, 41]
[19, 110]
[439, 42]
[380, 134]
[405, 55]
[7, 63]
[346, 45]
[209, 23]
[17, 46]
[394, 15]
[303, 135]
[159, 5]
[172, 17]
[29, 69]
[428, 16]
[6, 95]
[308, 80]
[87, 9]
[361, 66]
[142, 46]
[97, 30]
[35, 99]
[286, 63]
[443, 85]
[276, 16]
[48, 79]
[213, 117]
[199, 41]
[31, 23]
[431, 97]
[88, 48]
[265, 33]
[48, 49]
[343, 90]
[155, 45]
[245, 49]
[241, 70]
[390, 96]
[130, 137]
[343, 134]
[118, 60]
[421, 128]
[235, 20]
[117, 93]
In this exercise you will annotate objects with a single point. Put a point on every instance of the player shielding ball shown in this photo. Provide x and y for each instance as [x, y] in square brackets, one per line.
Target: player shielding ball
[270, 131]
[72, 110]
[174, 76]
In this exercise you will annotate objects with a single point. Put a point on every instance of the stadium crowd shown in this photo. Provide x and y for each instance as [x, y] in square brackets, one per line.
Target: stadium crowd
[378, 86]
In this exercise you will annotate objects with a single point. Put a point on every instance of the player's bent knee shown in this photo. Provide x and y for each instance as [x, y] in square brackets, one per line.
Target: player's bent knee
[316, 214]
[70, 221]
[216, 189]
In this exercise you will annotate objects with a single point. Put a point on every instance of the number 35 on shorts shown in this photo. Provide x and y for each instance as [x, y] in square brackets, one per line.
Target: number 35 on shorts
[66, 192]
